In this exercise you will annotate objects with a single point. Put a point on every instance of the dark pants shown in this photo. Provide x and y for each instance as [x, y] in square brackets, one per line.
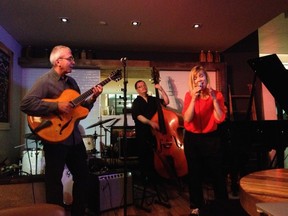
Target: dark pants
[146, 157]
[204, 159]
[56, 156]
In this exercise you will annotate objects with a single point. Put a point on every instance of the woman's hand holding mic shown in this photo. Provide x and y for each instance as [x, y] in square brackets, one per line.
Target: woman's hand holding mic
[211, 92]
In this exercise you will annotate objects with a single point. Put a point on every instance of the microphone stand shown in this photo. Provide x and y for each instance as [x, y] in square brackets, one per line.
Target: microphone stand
[106, 152]
[123, 60]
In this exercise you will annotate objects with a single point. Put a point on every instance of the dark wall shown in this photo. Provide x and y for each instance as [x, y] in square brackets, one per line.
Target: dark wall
[239, 74]
[43, 52]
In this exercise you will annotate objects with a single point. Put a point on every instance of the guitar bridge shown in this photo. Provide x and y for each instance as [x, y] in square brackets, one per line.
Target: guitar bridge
[167, 145]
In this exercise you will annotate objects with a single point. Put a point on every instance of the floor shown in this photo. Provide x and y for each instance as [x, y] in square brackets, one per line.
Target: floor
[174, 201]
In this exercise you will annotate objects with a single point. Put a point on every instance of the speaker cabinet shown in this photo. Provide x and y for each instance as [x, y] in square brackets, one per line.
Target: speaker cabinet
[107, 191]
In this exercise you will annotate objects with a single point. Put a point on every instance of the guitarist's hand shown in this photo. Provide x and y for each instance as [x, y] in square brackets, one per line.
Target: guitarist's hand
[64, 107]
[97, 90]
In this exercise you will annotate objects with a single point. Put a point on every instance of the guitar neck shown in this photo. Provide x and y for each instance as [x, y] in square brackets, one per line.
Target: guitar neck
[86, 94]
[156, 79]
[162, 127]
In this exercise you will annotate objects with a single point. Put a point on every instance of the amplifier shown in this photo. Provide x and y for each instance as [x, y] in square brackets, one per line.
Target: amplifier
[107, 191]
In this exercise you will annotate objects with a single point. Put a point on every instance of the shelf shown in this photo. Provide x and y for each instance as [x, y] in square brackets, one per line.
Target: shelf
[28, 62]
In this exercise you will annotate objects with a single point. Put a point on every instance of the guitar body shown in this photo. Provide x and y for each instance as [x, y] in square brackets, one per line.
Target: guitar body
[63, 124]
[169, 157]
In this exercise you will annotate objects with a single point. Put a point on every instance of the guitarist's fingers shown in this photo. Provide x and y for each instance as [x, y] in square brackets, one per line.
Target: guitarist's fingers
[64, 107]
[97, 90]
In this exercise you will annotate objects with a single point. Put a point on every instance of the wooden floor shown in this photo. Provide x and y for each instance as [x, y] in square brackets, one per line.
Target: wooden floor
[178, 200]
[177, 197]
[173, 203]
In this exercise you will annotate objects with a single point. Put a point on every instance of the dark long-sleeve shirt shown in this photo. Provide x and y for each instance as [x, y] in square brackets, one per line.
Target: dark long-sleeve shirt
[147, 109]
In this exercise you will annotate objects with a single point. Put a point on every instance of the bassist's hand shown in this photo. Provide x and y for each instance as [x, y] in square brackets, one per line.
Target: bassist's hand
[64, 107]
[159, 87]
[154, 125]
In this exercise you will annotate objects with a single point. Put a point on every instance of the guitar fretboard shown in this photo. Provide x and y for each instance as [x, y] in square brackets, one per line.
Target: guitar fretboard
[115, 76]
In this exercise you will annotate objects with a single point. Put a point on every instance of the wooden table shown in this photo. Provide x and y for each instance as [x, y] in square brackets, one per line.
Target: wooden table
[263, 187]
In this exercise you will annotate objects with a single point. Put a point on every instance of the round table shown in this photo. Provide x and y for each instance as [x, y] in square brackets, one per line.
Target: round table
[263, 186]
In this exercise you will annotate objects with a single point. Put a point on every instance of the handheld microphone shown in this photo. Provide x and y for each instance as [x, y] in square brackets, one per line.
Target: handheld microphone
[201, 86]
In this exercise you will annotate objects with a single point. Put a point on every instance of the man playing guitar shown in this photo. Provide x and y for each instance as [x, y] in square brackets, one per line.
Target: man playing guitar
[45, 99]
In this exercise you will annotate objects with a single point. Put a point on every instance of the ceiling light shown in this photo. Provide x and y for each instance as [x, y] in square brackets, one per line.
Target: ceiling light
[103, 23]
[64, 19]
[135, 23]
[197, 25]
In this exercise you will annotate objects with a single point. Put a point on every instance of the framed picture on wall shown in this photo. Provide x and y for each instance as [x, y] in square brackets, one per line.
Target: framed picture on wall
[6, 63]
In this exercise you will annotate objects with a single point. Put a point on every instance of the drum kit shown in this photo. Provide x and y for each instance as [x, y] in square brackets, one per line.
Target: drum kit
[92, 138]
[33, 159]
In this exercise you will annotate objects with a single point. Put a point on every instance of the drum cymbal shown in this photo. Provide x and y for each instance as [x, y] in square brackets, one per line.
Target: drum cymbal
[92, 135]
[100, 122]
[97, 135]
[18, 146]
[113, 123]
[31, 136]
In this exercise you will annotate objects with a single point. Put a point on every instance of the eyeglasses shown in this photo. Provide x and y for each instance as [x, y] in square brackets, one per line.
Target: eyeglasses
[69, 59]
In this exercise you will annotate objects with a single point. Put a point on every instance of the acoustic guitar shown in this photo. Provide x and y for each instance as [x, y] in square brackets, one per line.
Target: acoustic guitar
[58, 127]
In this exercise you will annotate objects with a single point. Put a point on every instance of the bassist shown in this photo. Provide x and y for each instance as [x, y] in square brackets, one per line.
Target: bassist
[70, 151]
[143, 109]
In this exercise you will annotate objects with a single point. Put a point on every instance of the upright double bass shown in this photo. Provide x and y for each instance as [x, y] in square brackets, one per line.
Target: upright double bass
[169, 158]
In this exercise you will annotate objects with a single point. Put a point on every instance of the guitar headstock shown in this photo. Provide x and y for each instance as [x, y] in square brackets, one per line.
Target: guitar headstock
[155, 76]
[116, 75]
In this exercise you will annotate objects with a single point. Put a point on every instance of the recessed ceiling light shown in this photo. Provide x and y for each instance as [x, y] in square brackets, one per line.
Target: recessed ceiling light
[197, 25]
[103, 23]
[135, 23]
[64, 19]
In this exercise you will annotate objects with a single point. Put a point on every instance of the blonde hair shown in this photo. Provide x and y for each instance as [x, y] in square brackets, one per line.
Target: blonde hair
[56, 53]
[194, 71]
